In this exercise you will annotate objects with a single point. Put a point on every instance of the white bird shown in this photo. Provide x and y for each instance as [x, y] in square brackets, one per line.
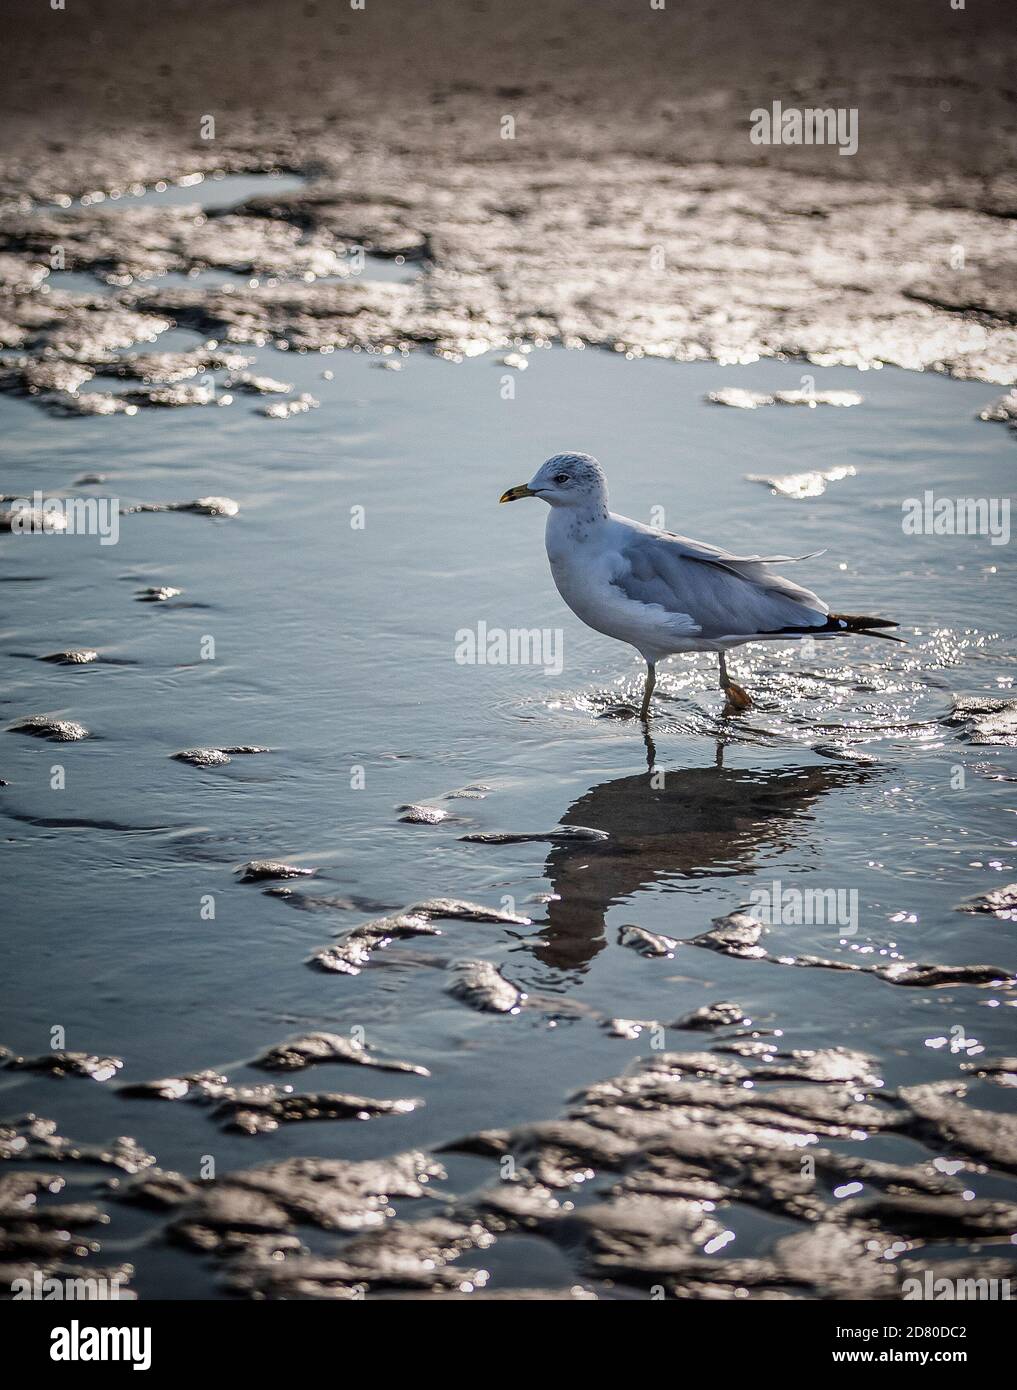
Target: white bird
[664, 593]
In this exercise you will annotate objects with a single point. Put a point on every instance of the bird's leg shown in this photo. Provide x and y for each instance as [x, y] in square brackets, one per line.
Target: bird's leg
[737, 698]
[651, 750]
[651, 681]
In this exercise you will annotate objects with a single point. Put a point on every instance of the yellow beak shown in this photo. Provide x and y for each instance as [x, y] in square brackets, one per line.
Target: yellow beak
[514, 493]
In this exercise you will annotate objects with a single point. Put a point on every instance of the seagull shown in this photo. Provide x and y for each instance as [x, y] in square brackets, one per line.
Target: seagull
[663, 593]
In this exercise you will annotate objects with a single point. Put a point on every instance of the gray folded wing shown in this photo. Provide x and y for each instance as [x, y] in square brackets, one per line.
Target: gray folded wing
[725, 595]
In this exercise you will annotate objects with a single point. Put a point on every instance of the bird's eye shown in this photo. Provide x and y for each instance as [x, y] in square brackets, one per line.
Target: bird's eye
[561, 477]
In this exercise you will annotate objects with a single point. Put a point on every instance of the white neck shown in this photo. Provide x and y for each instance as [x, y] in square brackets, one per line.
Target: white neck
[569, 526]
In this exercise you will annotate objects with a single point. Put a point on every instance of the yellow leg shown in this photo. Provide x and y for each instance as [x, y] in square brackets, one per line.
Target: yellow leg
[737, 698]
[651, 681]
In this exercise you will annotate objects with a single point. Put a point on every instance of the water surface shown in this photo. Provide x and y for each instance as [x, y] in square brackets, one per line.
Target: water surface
[334, 648]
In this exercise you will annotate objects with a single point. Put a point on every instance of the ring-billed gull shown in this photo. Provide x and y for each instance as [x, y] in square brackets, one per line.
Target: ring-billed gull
[664, 593]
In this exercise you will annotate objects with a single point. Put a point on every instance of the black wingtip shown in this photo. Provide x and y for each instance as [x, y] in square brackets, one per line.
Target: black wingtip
[858, 622]
[842, 625]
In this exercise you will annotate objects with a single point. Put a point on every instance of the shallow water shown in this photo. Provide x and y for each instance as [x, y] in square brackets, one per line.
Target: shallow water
[215, 190]
[334, 649]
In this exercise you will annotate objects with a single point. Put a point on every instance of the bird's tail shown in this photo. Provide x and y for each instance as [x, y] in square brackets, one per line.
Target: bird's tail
[847, 624]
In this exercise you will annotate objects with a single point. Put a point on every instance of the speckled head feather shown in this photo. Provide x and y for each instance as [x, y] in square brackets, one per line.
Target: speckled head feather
[571, 480]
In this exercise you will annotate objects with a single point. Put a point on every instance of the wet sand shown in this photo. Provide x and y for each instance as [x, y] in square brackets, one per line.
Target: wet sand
[630, 209]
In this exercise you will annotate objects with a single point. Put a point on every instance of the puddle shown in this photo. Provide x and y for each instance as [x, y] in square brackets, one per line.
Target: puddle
[216, 195]
[363, 266]
[209, 191]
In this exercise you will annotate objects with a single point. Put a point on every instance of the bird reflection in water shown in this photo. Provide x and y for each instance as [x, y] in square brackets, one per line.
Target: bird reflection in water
[693, 823]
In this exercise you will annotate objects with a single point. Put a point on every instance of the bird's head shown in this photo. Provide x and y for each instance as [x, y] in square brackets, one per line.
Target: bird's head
[565, 480]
